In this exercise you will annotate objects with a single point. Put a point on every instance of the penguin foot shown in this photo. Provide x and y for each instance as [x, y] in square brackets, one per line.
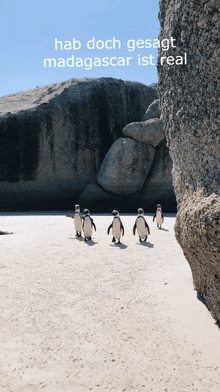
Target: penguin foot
[113, 239]
[145, 239]
[140, 239]
[89, 238]
[118, 242]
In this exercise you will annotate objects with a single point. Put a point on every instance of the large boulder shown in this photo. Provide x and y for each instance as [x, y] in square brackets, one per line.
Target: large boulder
[153, 111]
[126, 166]
[157, 188]
[189, 97]
[148, 132]
[53, 139]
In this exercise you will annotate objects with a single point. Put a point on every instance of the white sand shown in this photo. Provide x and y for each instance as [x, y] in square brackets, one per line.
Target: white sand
[79, 316]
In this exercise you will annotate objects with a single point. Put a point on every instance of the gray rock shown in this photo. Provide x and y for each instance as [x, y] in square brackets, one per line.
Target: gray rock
[126, 166]
[189, 96]
[54, 138]
[153, 111]
[97, 200]
[148, 132]
[154, 85]
[158, 187]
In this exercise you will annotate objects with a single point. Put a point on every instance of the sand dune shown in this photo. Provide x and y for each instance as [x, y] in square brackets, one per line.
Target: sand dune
[95, 316]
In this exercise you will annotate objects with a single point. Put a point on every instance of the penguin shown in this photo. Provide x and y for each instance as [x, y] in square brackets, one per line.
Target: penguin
[141, 225]
[159, 216]
[87, 223]
[77, 220]
[117, 227]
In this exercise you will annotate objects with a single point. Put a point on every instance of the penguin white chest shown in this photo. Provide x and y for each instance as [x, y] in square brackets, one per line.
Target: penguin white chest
[159, 219]
[77, 222]
[141, 228]
[87, 227]
[116, 228]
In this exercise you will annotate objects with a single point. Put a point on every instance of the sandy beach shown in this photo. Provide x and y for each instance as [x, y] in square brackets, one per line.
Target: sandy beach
[96, 316]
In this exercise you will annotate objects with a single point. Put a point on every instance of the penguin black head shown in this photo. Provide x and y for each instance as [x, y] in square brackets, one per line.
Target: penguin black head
[158, 207]
[115, 213]
[140, 211]
[86, 211]
[77, 208]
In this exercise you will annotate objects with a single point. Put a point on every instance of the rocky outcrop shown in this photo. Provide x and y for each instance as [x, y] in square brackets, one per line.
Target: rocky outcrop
[58, 141]
[53, 139]
[149, 132]
[189, 97]
[126, 166]
[135, 170]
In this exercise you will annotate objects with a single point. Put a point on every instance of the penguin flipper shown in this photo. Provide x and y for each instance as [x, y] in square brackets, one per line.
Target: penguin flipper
[154, 217]
[109, 228]
[94, 225]
[148, 228]
[134, 228]
[122, 228]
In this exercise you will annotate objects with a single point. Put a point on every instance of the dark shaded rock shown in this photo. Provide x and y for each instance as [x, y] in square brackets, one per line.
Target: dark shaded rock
[53, 139]
[158, 188]
[96, 199]
[148, 132]
[153, 111]
[126, 166]
[189, 97]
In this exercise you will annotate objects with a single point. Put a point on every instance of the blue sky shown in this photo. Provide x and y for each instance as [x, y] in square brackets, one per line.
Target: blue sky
[28, 31]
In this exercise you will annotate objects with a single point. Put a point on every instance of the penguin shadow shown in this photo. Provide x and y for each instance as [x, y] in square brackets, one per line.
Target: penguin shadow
[76, 238]
[121, 246]
[163, 229]
[90, 242]
[147, 244]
